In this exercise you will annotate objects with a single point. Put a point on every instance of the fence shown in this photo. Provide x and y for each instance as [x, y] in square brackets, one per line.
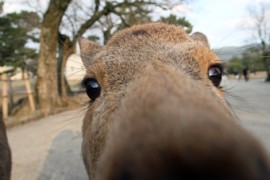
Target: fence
[7, 92]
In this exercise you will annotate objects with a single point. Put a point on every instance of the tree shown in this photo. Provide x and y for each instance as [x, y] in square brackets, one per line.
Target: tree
[124, 17]
[235, 65]
[129, 16]
[172, 19]
[261, 29]
[250, 59]
[47, 86]
[14, 34]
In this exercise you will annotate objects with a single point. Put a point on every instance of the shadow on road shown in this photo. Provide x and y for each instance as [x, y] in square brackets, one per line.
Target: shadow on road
[64, 161]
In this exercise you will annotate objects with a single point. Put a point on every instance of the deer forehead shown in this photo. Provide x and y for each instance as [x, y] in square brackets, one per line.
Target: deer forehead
[130, 50]
[160, 41]
[154, 31]
[124, 62]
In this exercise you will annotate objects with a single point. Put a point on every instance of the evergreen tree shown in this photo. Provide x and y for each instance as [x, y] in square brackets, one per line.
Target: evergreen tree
[14, 33]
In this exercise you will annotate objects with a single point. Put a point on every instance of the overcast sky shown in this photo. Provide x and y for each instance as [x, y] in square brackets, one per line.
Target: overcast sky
[223, 21]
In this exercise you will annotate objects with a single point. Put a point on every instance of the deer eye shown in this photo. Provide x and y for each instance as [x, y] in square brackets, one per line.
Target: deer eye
[215, 74]
[92, 87]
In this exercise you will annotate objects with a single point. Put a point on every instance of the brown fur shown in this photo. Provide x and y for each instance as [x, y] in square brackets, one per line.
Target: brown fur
[158, 115]
[5, 154]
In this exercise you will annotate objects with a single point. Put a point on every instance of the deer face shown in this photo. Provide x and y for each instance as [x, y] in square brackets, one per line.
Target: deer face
[156, 110]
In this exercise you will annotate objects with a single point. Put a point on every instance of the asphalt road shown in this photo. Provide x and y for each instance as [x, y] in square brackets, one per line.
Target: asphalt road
[49, 149]
[251, 102]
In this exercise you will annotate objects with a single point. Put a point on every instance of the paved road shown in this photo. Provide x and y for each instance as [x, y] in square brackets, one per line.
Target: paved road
[49, 149]
[251, 102]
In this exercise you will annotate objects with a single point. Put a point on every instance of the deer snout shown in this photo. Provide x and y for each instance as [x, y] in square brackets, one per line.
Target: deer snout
[169, 126]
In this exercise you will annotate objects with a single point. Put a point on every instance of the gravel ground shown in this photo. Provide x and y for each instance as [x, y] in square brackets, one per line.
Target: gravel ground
[50, 148]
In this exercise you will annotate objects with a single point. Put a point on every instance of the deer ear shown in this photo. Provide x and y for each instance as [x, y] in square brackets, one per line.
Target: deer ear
[198, 36]
[87, 49]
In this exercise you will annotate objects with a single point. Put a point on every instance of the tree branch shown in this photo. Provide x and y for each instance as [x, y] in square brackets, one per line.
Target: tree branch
[110, 7]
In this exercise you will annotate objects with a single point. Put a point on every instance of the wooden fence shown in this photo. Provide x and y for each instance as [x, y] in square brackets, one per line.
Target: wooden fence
[7, 90]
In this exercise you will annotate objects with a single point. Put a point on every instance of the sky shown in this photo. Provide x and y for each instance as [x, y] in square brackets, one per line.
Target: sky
[224, 22]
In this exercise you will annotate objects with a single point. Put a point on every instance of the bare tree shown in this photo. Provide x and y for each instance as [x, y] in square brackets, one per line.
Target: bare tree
[46, 71]
[260, 25]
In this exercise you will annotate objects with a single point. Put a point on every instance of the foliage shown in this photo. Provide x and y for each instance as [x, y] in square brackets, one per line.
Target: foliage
[250, 59]
[172, 19]
[235, 64]
[14, 33]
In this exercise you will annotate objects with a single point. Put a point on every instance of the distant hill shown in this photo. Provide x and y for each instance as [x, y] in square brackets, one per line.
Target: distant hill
[226, 53]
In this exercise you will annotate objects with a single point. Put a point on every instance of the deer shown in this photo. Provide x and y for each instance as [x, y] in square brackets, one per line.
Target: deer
[5, 153]
[157, 110]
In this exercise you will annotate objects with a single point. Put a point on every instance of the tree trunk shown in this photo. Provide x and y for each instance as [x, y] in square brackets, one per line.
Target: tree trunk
[267, 66]
[47, 63]
[107, 35]
[66, 51]
[11, 92]
[266, 61]
[66, 91]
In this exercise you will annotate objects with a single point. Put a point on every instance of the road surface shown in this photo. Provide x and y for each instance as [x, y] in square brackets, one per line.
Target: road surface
[49, 149]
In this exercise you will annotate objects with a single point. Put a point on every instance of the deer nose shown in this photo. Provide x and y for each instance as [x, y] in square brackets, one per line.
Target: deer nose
[190, 152]
[177, 129]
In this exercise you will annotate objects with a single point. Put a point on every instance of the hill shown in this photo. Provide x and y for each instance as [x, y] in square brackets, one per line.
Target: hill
[226, 53]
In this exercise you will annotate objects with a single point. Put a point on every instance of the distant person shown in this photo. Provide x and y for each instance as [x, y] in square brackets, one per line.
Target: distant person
[235, 72]
[245, 73]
